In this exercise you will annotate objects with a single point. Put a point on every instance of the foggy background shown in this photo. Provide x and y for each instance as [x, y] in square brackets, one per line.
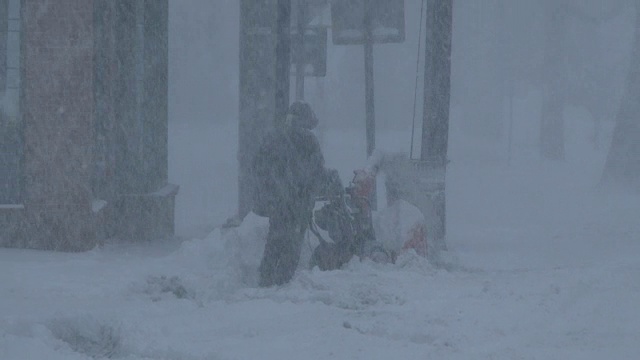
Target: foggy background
[497, 71]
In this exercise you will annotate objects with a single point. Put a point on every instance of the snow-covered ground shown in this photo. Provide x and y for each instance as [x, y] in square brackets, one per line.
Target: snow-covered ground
[541, 265]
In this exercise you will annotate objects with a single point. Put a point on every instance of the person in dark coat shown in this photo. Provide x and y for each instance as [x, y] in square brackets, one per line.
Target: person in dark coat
[289, 173]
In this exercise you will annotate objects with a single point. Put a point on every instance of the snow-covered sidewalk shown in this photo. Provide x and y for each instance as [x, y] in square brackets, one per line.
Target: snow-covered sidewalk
[102, 304]
[543, 275]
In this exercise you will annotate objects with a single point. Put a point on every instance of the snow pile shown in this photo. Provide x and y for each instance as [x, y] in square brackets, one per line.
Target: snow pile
[87, 335]
[226, 262]
[358, 286]
[394, 224]
[211, 268]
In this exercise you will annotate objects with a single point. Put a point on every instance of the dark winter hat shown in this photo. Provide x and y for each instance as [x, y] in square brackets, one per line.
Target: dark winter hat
[301, 115]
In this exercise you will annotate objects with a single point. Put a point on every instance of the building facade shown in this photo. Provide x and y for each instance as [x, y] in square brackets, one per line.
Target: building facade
[83, 121]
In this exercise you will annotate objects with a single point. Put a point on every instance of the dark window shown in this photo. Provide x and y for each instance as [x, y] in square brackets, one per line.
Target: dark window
[10, 118]
[131, 96]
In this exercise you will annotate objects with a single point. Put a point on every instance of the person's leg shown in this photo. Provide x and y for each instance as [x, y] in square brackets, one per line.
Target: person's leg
[282, 251]
[272, 251]
[290, 256]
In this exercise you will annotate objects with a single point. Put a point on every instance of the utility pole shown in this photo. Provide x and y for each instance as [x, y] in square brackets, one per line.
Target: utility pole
[437, 91]
[369, 90]
[554, 81]
[264, 83]
[301, 16]
[368, 80]
[283, 59]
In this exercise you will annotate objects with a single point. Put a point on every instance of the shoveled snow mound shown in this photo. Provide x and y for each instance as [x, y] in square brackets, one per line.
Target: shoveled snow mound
[394, 224]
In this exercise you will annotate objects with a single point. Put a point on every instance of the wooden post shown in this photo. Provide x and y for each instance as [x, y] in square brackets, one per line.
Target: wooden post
[283, 59]
[257, 90]
[437, 90]
[369, 90]
[368, 80]
[301, 15]
[264, 82]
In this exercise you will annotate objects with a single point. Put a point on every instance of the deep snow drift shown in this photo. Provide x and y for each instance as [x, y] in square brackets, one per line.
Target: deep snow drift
[541, 265]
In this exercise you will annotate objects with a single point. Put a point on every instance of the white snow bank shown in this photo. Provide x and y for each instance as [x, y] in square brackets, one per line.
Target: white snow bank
[555, 276]
[393, 224]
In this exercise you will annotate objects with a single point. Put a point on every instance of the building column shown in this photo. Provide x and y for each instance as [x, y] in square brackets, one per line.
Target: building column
[57, 107]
